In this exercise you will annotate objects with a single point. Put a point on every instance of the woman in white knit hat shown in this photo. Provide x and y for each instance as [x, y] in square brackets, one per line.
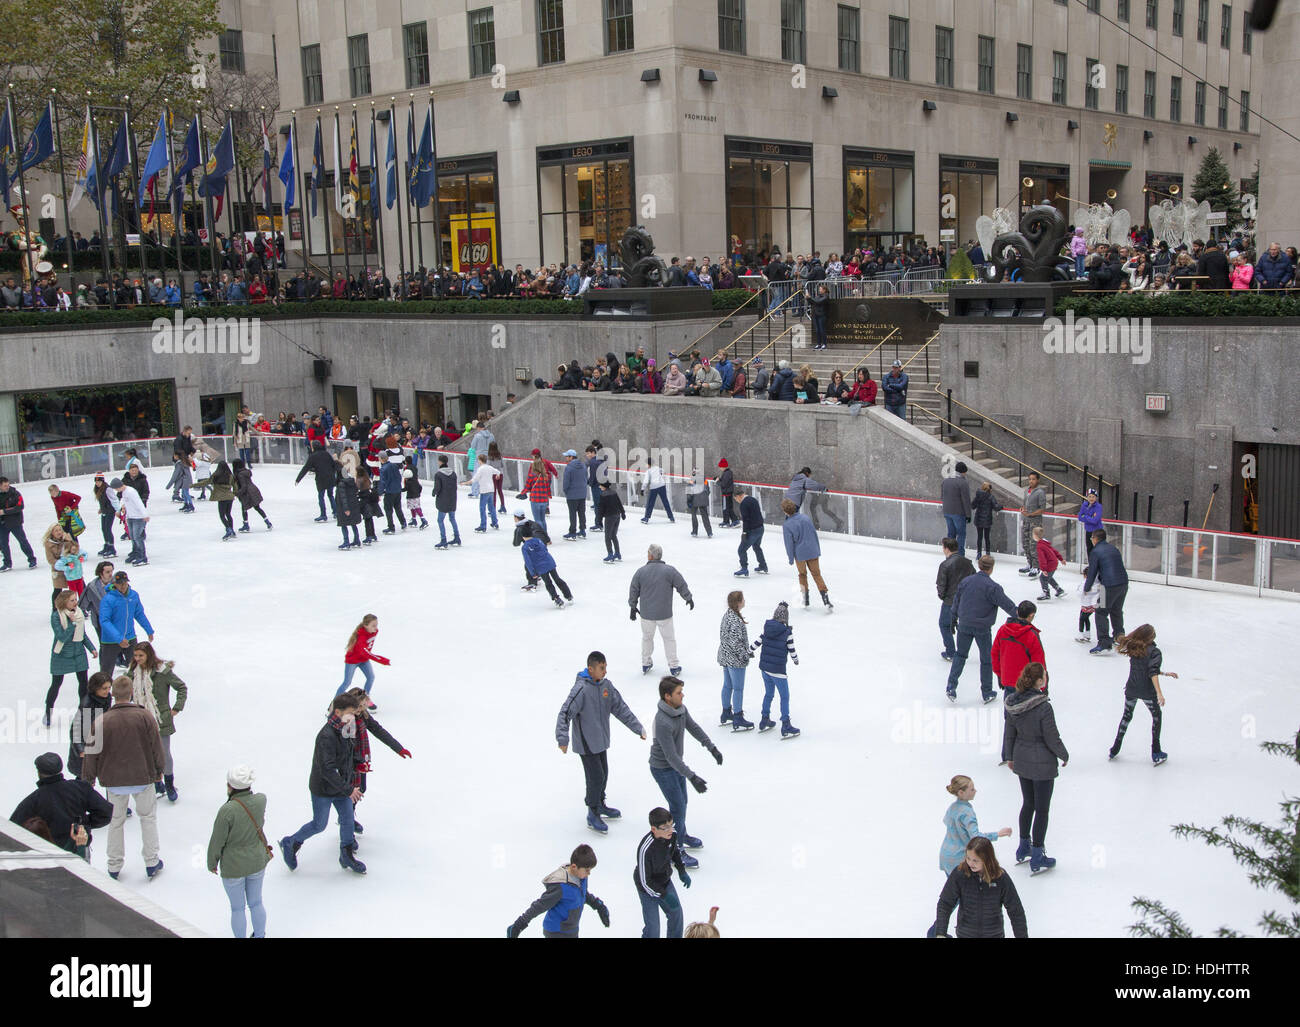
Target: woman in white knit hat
[239, 852]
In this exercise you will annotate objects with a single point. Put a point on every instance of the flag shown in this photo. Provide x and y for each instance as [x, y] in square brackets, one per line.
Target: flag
[287, 169]
[156, 161]
[317, 167]
[188, 159]
[40, 144]
[266, 171]
[221, 161]
[354, 177]
[410, 149]
[338, 169]
[423, 184]
[83, 178]
[390, 163]
[6, 151]
[115, 161]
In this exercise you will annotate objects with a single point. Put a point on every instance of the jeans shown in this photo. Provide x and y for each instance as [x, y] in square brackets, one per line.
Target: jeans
[595, 767]
[733, 689]
[111, 652]
[595, 507]
[320, 818]
[945, 629]
[246, 455]
[105, 528]
[1153, 707]
[752, 540]
[1110, 618]
[455, 531]
[672, 907]
[778, 683]
[17, 532]
[666, 632]
[246, 891]
[1078, 265]
[136, 528]
[984, 637]
[1036, 803]
[819, 330]
[185, 496]
[897, 409]
[660, 494]
[539, 513]
[957, 530]
[320, 498]
[486, 506]
[673, 786]
[351, 668]
[577, 515]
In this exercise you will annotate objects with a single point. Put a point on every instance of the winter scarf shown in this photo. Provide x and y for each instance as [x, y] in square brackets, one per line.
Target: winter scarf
[142, 690]
[346, 730]
[361, 751]
[79, 630]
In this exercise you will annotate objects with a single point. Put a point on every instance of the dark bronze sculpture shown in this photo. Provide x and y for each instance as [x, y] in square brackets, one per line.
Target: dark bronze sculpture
[641, 267]
[1032, 254]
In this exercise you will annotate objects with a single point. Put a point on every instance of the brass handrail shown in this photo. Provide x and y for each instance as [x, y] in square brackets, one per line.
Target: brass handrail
[938, 388]
[754, 326]
[775, 341]
[724, 319]
[921, 349]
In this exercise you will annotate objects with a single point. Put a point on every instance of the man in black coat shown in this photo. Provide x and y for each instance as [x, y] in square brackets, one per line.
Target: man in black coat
[11, 523]
[1213, 265]
[332, 783]
[1107, 565]
[954, 568]
[322, 464]
[63, 804]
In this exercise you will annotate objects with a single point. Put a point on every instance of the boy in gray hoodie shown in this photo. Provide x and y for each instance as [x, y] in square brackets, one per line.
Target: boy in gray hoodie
[668, 768]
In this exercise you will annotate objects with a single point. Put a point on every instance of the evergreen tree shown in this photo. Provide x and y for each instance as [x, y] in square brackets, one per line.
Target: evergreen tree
[1275, 864]
[959, 266]
[1213, 182]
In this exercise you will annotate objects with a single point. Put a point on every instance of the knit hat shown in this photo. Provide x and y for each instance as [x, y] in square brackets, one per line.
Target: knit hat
[535, 452]
[961, 468]
[240, 777]
[49, 764]
[116, 483]
[650, 362]
[782, 613]
[723, 462]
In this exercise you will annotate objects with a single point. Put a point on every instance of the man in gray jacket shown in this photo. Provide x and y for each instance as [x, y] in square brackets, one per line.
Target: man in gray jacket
[667, 767]
[1035, 504]
[591, 700]
[955, 494]
[974, 608]
[652, 587]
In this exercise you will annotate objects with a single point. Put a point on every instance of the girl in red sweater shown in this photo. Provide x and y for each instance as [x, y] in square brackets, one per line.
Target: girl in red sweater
[359, 655]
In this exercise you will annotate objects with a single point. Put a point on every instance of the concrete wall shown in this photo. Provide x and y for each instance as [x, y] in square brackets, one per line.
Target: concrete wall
[1228, 382]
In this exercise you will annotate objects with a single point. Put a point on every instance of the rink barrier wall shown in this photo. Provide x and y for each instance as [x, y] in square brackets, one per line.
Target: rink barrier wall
[1162, 554]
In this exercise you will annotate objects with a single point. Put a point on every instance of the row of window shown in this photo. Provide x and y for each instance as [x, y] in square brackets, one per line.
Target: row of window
[1179, 15]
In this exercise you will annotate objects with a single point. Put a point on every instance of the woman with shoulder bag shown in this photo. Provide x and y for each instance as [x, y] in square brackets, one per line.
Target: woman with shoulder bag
[239, 848]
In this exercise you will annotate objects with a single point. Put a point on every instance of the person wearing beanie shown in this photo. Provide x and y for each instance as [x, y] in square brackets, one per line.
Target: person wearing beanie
[390, 484]
[322, 465]
[656, 855]
[611, 512]
[70, 807]
[955, 496]
[776, 643]
[727, 489]
[804, 551]
[239, 852]
[444, 501]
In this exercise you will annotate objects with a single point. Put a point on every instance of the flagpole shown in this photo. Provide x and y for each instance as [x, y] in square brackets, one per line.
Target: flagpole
[419, 236]
[329, 241]
[209, 217]
[177, 223]
[376, 194]
[301, 197]
[99, 203]
[29, 266]
[433, 146]
[338, 186]
[229, 192]
[134, 152]
[401, 254]
[63, 184]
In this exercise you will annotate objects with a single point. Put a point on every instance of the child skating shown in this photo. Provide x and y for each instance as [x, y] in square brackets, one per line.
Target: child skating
[411, 484]
[563, 898]
[538, 563]
[1048, 560]
[777, 643]
[359, 655]
[1090, 599]
[1143, 685]
[961, 825]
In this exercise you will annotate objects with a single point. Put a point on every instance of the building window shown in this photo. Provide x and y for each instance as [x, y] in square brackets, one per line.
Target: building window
[1121, 89]
[878, 195]
[985, 60]
[1245, 110]
[1153, 14]
[231, 44]
[1060, 67]
[550, 31]
[731, 26]
[584, 201]
[769, 196]
[482, 42]
[1223, 107]
[1176, 98]
[849, 18]
[968, 188]
[1094, 6]
[1225, 26]
[618, 26]
[943, 56]
[1198, 104]
[1245, 32]
[792, 31]
[1024, 71]
[1202, 20]
[359, 64]
[313, 87]
[898, 48]
[1149, 94]
[467, 209]
[1121, 11]
[415, 43]
[1179, 7]
[1090, 93]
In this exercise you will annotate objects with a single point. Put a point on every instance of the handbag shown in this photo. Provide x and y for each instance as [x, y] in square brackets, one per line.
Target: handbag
[270, 852]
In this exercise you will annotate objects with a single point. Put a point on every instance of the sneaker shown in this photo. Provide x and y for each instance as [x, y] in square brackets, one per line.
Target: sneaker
[1099, 650]
[154, 870]
[765, 724]
[1158, 758]
[289, 850]
[739, 723]
[741, 574]
[595, 823]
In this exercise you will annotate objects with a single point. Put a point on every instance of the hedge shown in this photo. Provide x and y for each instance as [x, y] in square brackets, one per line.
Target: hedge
[1183, 304]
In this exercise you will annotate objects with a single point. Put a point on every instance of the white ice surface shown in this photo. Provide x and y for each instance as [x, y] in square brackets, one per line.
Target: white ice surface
[834, 833]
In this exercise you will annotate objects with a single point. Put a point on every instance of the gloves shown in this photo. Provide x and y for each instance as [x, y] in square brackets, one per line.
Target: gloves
[602, 911]
[699, 784]
[405, 754]
[690, 604]
[632, 614]
[685, 879]
[713, 751]
[512, 931]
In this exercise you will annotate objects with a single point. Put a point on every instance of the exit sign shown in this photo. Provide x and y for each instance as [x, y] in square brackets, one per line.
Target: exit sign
[1157, 403]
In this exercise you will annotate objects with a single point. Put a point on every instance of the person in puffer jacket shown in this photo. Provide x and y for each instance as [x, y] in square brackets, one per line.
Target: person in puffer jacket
[390, 485]
[538, 563]
[961, 826]
[776, 643]
[1016, 645]
[1049, 558]
[727, 489]
[979, 889]
[249, 495]
[564, 895]
[733, 656]
[1031, 746]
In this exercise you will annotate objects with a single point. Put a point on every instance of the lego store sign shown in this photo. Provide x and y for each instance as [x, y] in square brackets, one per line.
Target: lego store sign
[474, 242]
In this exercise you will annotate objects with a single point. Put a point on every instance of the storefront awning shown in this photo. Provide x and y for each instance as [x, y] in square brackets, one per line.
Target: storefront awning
[1121, 165]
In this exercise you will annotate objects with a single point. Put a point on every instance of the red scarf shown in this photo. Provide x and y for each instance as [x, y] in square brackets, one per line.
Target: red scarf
[361, 751]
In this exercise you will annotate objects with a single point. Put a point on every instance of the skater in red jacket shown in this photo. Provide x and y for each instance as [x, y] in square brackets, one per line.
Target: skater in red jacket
[359, 656]
[1048, 560]
[1017, 645]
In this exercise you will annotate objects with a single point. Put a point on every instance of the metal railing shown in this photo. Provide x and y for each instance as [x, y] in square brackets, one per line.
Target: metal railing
[1161, 554]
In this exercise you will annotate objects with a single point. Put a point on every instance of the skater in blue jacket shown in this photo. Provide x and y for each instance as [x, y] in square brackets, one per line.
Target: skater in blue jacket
[539, 563]
[562, 901]
[776, 642]
[962, 825]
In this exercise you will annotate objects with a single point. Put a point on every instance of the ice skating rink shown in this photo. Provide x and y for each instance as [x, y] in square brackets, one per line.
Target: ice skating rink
[835, 833]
